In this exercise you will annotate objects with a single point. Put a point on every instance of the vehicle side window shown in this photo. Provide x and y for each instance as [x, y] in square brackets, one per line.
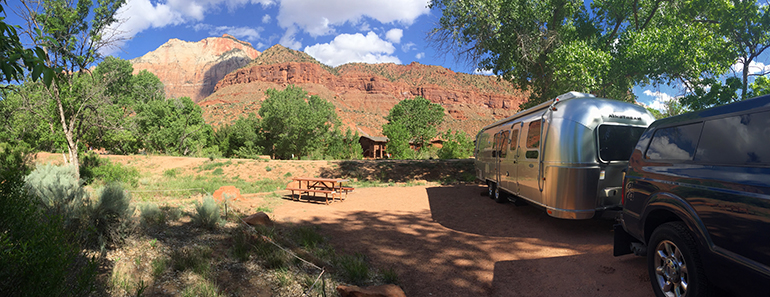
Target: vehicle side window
[514, 139]
[736, 140]
[504, 149]
[533, 136]
[533, 140]
[674, 143]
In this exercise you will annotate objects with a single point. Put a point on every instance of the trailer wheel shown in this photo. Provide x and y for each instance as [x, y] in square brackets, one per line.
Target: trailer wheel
[491, 189]
[500, 196]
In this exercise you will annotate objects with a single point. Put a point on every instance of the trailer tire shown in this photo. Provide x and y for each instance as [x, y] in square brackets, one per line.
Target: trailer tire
[491, 188]
[500, 196]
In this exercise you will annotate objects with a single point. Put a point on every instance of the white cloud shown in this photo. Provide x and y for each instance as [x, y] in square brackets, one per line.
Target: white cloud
[319, 17]
[419, 56]
[243, 33]
[289, 40]
[394, 35]
[483, 71]
[754, 67]
[266, 19]
[660, 100]
[138, 15]
[347, 48]
[364, 27]
[408, 46]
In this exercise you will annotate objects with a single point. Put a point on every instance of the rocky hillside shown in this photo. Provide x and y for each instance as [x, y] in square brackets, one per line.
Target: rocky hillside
[192, 69]
[364, 93]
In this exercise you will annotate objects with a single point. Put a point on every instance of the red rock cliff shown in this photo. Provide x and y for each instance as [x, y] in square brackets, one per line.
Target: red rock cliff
[192, 69]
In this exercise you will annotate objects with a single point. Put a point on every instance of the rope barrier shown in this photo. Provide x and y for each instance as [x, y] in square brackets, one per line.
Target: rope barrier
[306, 293]
[172, 190]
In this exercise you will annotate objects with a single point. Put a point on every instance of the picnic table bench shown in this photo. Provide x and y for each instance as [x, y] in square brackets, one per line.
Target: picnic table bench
[327, 186]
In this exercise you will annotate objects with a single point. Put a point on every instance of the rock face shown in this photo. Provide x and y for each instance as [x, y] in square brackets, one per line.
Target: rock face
[364, 93]
[192, 69]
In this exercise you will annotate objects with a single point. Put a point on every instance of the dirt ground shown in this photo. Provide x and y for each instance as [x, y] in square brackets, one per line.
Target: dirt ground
[452, 241]
[442, 240]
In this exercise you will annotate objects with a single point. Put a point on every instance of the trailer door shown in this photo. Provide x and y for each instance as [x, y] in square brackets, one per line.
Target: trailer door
[502, 153]
[529, 163]
[508, 168]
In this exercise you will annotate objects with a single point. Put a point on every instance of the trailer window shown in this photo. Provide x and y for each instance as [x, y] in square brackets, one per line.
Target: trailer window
[533, 140]
[514, 139]
[533, 136]
[504, 148]
[616, 143]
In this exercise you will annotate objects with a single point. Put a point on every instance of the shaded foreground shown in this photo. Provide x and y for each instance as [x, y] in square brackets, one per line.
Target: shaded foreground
[451, 241]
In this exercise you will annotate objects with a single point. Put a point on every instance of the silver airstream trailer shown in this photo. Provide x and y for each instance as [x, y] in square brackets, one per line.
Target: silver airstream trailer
[566, 155]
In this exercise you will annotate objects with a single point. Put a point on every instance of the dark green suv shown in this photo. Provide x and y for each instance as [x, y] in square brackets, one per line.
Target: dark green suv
[696, 202]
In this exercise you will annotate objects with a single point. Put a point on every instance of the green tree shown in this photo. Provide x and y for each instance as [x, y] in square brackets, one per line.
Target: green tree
[746, 26]
[398, 141]
[294, 123]
[552, 46]
[243, 139]
[342, 146]
[15, 60]
[760, 86]
[457, 145]
[173, 126]
[74, 35]
[416, 119]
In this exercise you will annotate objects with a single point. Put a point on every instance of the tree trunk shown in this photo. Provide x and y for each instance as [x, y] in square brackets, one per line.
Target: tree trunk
[72, 144]
[745, 85]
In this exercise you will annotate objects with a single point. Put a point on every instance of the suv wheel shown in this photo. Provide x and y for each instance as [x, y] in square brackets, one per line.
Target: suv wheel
[492, 189]
[674, 264]
[500, 196]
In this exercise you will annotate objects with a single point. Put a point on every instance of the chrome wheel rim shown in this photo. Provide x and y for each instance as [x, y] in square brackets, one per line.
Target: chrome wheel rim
[671, 269]
[490, 187]
[497, 194]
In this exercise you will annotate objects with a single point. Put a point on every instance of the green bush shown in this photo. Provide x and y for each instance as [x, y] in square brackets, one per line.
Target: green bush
[456, 146]
[94, 168]
[57, 192]
[171, 173]
[207, 213]
[38, 255]
[109, 218]
[151, 214]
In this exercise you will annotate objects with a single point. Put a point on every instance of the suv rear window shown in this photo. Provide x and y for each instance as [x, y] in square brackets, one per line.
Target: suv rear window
[674, 143]
[616, 143]
[736, 140]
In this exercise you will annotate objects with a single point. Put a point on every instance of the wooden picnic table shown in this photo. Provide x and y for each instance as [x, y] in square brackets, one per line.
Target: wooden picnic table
[315, 185]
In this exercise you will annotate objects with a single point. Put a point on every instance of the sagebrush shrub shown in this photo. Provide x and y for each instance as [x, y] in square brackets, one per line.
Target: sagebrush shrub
[109, 218]
[58, 192]
[207, 213]
[151, 214]
[38, 256]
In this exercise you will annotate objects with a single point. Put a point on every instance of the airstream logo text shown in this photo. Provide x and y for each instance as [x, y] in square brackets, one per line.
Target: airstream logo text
[625, 117]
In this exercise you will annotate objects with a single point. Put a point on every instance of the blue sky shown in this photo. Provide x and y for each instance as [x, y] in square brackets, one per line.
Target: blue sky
[333, 31]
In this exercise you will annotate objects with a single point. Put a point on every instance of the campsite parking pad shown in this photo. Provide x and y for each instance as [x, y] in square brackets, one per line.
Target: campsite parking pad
[452, 241]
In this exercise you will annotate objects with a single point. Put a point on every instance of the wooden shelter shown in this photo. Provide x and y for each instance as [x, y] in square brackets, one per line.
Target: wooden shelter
[374, 146]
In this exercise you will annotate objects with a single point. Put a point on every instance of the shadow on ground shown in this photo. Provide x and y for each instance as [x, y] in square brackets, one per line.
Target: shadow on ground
[445, 171]
[468, 245]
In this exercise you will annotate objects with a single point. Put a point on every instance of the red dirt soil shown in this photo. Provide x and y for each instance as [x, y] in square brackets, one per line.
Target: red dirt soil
[451, 241]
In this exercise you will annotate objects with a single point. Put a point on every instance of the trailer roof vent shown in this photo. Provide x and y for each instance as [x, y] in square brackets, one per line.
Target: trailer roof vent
[571, 95]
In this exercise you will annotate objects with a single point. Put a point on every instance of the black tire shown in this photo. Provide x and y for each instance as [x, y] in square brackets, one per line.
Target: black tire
[491, 188]
[674, 264]
[500, 196]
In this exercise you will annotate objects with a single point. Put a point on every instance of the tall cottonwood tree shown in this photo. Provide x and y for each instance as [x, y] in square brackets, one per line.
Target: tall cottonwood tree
[295, 124]
[73, 34]
[549, 47]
